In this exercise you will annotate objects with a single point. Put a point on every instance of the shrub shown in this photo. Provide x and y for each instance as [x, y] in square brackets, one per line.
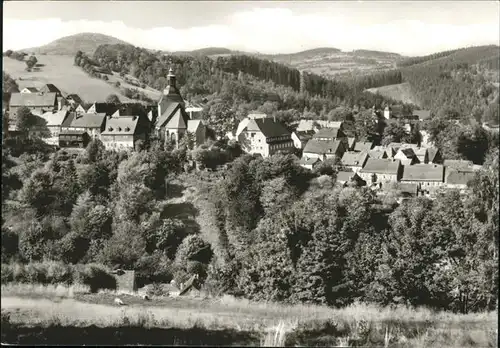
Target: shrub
[58, 273]
[7, 273]
[96, 277]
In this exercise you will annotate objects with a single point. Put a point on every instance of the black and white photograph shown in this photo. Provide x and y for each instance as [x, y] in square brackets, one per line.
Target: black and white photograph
[250, 173]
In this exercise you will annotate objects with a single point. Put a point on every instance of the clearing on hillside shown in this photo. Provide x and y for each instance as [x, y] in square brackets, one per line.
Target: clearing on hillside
[400, 91]
[69, 78]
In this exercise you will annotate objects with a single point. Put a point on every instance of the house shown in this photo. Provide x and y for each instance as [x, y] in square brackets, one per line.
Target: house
[329, 134]
[92, 124]
[407, 156]
[73, 138]
[263, 135]
[80, 110]
[378, 153]
[309, 163]
[458, 179]
[461, 165]
[424, 175]
[381, 170]
[54, 123]
[103, 108]
[407, 189]
[351, 142]
[199, 130]
[434, 155]
[394, 147]
[38, 103]
[494, 128]
[422, 154]
[122, 133]
[363, 146]
[29, 90]
[395, 111]
[315, 125]
[300, 138]
[422, 115]
[354, 160]
[323, 149]
[50, 88]
[345, 178]
[194, 110]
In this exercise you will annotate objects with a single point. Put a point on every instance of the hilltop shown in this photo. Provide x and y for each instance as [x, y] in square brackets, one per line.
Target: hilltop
[69, 45]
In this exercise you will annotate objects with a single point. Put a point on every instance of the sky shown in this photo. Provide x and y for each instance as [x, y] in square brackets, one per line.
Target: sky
[406, 27]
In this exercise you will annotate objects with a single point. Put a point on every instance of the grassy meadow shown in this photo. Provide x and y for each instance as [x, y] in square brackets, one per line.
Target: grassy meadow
[400, 91]
[48, 313]
[60, 71]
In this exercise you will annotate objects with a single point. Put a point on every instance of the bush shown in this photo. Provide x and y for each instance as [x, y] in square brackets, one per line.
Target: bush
[95, 276]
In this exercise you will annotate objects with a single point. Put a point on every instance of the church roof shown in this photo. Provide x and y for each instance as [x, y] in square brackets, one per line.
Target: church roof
[178, 120]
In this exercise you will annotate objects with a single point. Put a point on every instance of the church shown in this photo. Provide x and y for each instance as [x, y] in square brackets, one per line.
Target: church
[173, 121]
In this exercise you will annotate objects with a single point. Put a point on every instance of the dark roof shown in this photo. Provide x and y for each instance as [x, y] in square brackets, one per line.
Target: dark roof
[423, 172]
[169, 113]
[381, 166]
[49, 87]
[71, 132]
[33, 99]
[363, 146]
[31, 89]
[88, 121]
[122, 125]
[330, 133]
[171, 94]
[75, 97]
[304, 135]
[432, 153]
[352, 158]
[407, 152]
[321, 146]
[377, 154]
[268, 127]
[422, 114]
[106, 108]
[67, 121]
[455, 177]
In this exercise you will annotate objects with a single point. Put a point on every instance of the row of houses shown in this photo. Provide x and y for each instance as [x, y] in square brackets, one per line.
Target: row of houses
[119, 126]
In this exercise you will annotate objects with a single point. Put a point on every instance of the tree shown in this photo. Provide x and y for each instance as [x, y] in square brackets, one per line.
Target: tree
[31, 62]
[95, 151]
[113, 99]
[394, 132]
[24, 120]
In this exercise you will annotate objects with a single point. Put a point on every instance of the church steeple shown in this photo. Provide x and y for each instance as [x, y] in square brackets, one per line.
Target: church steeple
[171, 77]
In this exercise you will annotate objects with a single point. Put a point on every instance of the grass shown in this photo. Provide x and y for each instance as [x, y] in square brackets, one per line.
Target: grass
[61, 71]
[272, 324]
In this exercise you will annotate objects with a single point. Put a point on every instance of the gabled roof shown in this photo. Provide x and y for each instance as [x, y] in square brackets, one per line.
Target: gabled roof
[55, 118]
[422, 114]
[50, 88]
[178, 120]
[455, 177]
[106, 108]
[330, 133]
[381, 166]
[308, 161]
[352, 158]
[432, 153]
[363, 146]
[309, 124]
[351, 141]
[304, 135]
[321, 146]
[423, 172]
[406, 152]
[192, 125]
[343, 176]
[31, 89]
[88, 121]
[458, 164]
[268, 127]
[377, 153]
[122, 125]
[395, 146]
[33, 99]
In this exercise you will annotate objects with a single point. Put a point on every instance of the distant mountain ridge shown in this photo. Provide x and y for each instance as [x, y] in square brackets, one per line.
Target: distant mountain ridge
[69, 45]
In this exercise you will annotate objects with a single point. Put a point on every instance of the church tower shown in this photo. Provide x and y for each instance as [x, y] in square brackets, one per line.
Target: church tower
[170, 94]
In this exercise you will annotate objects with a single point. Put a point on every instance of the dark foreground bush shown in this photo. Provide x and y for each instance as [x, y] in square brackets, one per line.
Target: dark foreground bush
[94, 275]
[93, 335]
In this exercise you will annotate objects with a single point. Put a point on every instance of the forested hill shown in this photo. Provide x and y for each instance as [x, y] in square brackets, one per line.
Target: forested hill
[462, 82]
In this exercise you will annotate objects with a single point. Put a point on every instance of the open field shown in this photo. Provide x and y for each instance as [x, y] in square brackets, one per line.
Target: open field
[47, 314]
[60, 71]
[401, 91]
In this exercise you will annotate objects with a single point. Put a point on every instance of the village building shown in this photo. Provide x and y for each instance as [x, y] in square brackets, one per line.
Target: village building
[381, 170]
[392, 112]
[494, 128]
[323, 150]
[363, 146]
[107, 109]
[378, 153]
[406, 156]
[194, 110]
[92, 124]
[300, 138]
[122, 133]
[351, 143]
[54, 121]
[29, 90]
[407, 190]
[74, 99]
[199, 131]
[345, 178]
[329, 134]
[458, 179]
[422, 115]
[309, 163]
[424, 175]
[354, 160]
[434, 155]
[50, 88]
[80, 110]
[460, 165]
[316, 125]
[259, 134]
[37, 103]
